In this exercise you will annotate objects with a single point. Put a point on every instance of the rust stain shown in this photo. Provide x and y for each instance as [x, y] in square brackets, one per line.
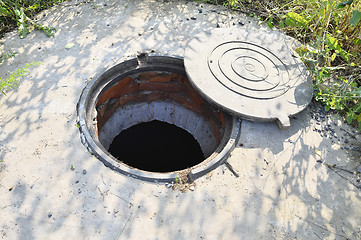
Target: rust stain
[221, 117]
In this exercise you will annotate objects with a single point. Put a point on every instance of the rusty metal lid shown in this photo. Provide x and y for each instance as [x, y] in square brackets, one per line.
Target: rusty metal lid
[250, 74]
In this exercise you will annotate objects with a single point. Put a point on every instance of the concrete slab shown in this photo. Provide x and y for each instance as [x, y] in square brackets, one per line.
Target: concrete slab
[295, 183]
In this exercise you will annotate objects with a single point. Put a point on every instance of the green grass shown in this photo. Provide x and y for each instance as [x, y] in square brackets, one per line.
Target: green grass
[14, 78]
[330, 34]
[329, 31]
[20, 14]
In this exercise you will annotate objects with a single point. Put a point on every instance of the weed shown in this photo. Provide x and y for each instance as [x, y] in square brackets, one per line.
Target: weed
[14, 79]
[20, 13]
[330, 34]
[4, 56]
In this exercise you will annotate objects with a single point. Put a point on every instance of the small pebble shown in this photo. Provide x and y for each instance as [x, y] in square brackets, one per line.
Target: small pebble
[358, 169]
[191, 188]
[84, 171]
[79, 190]
[347, 148]
[193, 18]
[346, 140]
[200, 10]
[50, 215]
[77, 181]
[358, 180]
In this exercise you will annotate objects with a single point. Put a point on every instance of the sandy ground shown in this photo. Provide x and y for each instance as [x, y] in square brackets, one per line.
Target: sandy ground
[299, 183]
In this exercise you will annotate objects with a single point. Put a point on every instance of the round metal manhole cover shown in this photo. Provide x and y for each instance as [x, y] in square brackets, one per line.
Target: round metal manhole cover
[251, 74]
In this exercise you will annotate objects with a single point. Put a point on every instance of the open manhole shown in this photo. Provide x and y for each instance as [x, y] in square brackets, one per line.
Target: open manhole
[158, 117]
[143, 118]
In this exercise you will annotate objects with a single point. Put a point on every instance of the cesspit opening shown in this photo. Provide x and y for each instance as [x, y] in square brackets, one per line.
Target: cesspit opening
[143, 118]
[163, 147]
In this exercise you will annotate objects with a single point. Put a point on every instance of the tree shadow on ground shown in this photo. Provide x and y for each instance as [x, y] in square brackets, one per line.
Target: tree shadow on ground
[282, 192]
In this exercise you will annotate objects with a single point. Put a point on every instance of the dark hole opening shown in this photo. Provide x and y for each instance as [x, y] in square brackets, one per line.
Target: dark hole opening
[157, 147]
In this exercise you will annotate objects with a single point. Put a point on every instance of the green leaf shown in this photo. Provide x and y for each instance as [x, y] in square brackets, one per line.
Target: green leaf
[344, 4]
[298, 18]
[355, 18]
[357, 41]
[33, 7]
[334, 44]
[282, 24]
[270, 23]
[333, 57]
[289, 22]
[69, 46]
[327, 108]
[49, 31]
[4, 12]
[22, 23]
[349, 119]
[359, 118]
[72, 167]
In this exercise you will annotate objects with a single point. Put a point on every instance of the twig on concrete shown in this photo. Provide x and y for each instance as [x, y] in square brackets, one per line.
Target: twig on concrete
[7, 206]
[358, 187]
[348, 133]
[323, 228]
[131, 204]
[101, 193]
[131, 214]
[103, 179]
[339, 168]
[317, 235]
[334, 167]
[229, 166]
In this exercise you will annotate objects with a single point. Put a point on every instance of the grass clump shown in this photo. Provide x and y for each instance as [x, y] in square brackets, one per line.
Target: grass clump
[20, 14]
[330, 33]
[14, 78]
